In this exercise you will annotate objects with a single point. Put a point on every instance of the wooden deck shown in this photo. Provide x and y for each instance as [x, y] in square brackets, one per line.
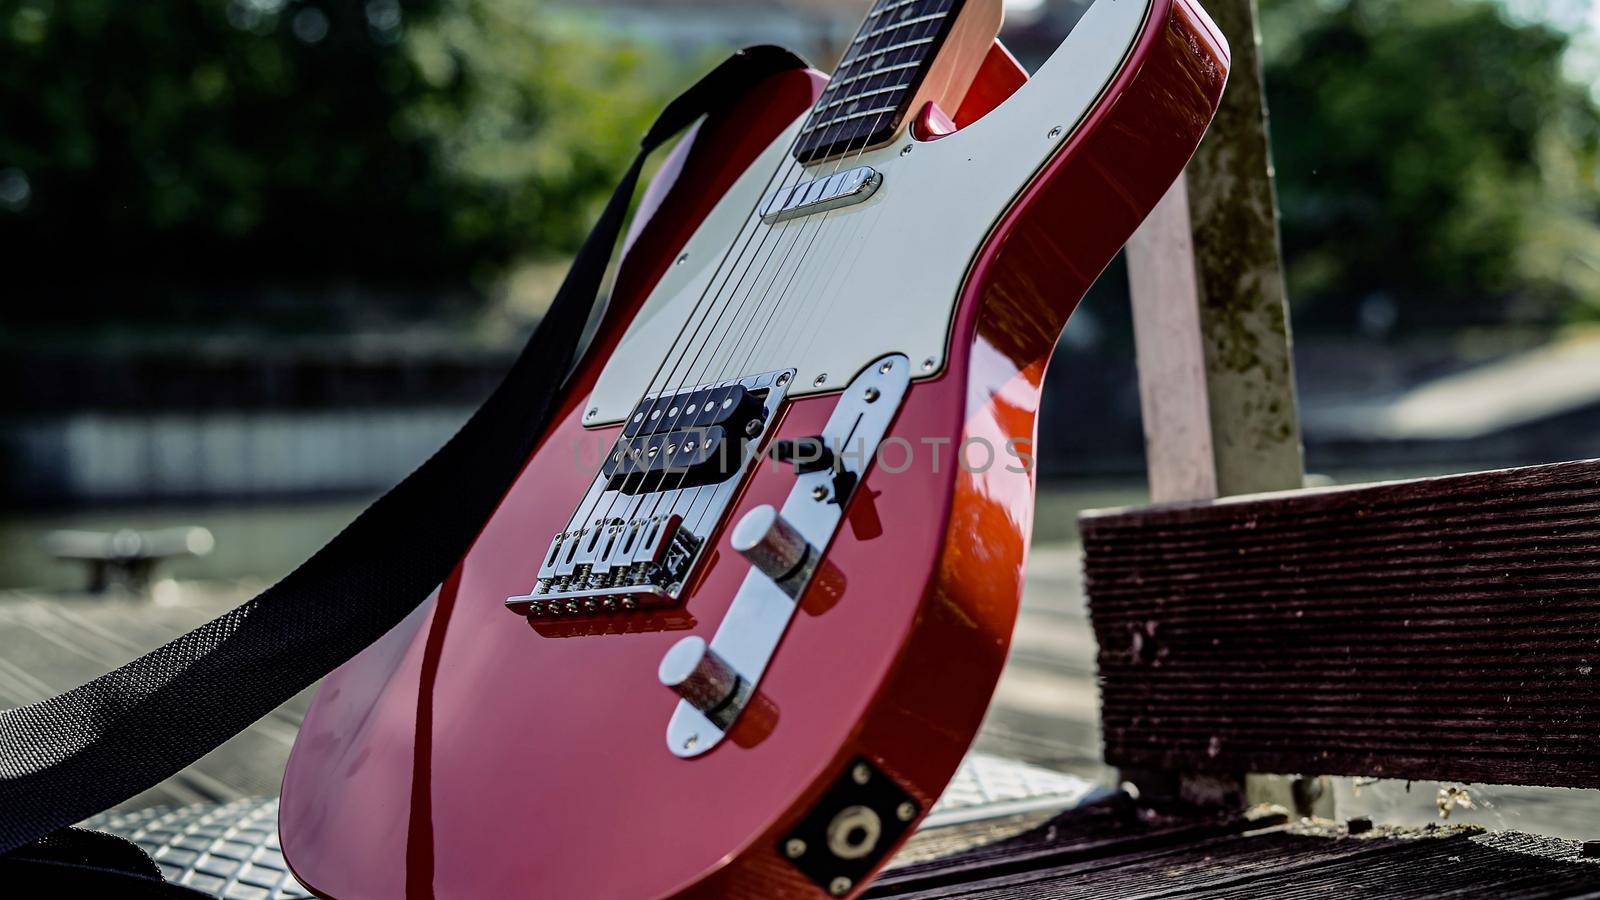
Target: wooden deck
[1045, 712]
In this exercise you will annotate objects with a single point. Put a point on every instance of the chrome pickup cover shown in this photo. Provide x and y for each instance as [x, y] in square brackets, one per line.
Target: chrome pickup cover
[634, 540]
[821, 194]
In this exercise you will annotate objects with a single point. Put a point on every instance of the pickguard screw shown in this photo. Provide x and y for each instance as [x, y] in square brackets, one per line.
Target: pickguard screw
[819, 493]
[886, 368]
[794, 848]
[690, 741]
[754, 428]
[928, 364]
[820, 380]
[783, 379]
[870, 394]
[905, 812]
[593, 411]
[906, 150]
[861, 774]
[682, 259]
[840, 886]
[1054, 133]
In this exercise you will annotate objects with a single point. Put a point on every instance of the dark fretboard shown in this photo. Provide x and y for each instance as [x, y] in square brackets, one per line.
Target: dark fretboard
[877, 78]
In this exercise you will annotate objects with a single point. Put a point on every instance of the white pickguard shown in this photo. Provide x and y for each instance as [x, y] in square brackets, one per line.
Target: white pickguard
[830, 292]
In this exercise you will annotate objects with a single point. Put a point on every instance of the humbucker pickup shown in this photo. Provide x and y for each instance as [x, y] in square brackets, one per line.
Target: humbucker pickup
[687, 439]
[632, 543]
[730, 406]
[687, 458]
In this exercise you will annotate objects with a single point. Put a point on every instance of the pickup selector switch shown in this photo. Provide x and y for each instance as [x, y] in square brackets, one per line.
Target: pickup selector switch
[807, 454]
[773, 546]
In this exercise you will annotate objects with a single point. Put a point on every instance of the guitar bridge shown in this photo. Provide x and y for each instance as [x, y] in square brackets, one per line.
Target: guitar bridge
[633, 542]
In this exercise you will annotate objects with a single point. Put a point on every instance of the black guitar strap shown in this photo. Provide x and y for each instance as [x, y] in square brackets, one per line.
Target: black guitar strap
[75, 754]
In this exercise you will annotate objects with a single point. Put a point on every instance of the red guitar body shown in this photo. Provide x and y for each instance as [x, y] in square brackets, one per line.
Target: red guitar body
[473, 754]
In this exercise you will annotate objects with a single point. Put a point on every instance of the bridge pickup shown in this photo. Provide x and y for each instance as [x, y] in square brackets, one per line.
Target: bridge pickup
[632, 544]
[822, 194]
[687, 458]
[731, 406]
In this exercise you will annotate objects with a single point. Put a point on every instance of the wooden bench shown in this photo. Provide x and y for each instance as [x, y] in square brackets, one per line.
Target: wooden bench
[126, 559]
[1442, 628]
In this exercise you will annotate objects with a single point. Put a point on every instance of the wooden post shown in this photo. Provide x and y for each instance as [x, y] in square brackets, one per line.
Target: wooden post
[1211, 329]
[1210, 318]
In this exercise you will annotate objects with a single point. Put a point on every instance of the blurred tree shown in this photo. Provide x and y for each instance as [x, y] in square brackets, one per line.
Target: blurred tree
[210, 158]
[1434, 164]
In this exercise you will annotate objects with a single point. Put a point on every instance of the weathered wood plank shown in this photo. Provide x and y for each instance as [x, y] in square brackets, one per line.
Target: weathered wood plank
[1211, 328]
[1107, 852]
[1167, 324]
[1444, 628]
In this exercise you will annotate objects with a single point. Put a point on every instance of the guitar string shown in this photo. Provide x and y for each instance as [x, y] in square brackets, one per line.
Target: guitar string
[815, 226]
[864, 220]
[807, 259]
[811, 262]
[792, 166]
[691, 359]
[670, 495]
[856, 52]
[748, 229]
[693, 363]
[700, 310]
[845, 270]
[784, 190]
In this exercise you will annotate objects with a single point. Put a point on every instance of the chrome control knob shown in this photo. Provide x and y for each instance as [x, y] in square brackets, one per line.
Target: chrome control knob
[771, 544]
[699, 675]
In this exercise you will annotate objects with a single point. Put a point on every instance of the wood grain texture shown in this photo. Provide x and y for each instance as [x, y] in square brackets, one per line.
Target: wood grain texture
[1118, 850]
[1442, 628]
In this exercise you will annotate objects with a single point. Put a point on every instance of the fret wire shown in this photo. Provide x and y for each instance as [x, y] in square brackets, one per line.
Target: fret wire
[906, 24]
[864, 94]
[860, 115]
[875, 73]
[815, 129]
[848, 64]
[854, 54]
[858, 43]
[890, 8]
[889, 49]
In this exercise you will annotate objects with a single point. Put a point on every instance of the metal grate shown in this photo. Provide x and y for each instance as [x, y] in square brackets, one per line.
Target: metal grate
[232, 849]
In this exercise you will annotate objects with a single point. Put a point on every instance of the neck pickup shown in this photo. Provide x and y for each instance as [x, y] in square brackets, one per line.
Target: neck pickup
[840, 189]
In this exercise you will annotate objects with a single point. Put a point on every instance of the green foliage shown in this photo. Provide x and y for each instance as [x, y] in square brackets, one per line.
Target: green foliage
[1430, 152]
[534, 121]
[245, 159]
[178, 159]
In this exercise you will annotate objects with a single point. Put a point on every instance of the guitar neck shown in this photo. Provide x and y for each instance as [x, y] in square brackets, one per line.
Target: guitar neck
[879, 76]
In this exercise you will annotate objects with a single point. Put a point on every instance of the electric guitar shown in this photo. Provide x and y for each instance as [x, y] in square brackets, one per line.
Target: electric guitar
[734, 626]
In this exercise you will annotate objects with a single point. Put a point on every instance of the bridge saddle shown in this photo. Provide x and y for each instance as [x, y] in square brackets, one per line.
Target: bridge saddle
[634, 540]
